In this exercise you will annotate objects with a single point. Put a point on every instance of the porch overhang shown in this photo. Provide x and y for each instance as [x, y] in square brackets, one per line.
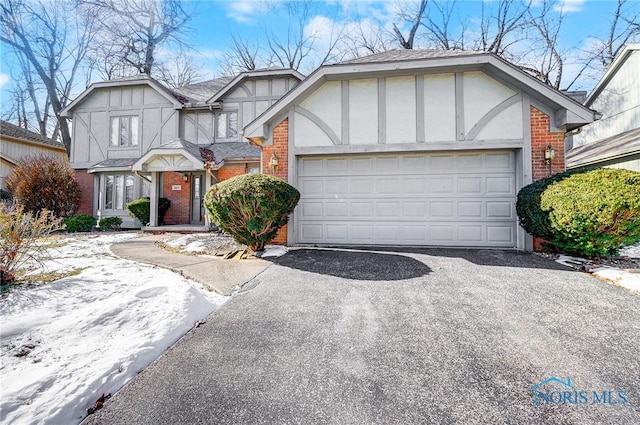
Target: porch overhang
[177, 155]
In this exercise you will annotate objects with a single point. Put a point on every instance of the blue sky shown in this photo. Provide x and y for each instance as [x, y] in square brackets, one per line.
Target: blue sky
[215, 21]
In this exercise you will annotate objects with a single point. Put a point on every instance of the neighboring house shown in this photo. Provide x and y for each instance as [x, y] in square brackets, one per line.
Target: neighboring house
[134, 137]
[614, 140]
[414, 147]
[17, 144]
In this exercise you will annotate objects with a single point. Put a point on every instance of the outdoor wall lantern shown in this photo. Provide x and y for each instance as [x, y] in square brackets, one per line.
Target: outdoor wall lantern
[273, 162]
[185, 177]
[549, 154]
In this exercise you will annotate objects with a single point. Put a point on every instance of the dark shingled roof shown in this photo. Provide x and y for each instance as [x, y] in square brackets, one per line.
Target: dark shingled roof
[203, 91]
[234, 150]
[114, 163]
[409, 54]
[623, 144]
[9, 130]
[221, 151]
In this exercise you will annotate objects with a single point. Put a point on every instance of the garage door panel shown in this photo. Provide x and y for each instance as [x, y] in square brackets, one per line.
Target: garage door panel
[448, 199]
[500, 185]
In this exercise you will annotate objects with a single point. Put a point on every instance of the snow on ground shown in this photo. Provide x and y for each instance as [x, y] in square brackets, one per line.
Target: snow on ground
[629, 279]
[631, 251]
[90, 333]
[274, 251]
[189, 243]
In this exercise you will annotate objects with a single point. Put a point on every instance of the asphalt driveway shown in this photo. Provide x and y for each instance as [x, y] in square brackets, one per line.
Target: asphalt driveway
[414, 337]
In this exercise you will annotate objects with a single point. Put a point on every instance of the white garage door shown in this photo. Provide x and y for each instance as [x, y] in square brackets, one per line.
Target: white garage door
[440, 199]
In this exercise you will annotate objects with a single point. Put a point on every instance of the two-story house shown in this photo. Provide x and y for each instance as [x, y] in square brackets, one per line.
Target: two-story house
[614, 140]
[134, 137]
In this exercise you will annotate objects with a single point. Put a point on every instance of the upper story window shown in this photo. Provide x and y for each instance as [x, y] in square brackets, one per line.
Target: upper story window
[124, 130]
[227, 127]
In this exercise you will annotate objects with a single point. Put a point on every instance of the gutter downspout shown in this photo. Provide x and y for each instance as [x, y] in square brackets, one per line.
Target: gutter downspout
[137, 173]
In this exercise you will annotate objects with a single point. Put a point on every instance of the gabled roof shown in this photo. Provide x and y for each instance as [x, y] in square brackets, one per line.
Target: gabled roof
[620, 59]
[614, 147]
[18, 133]
[136, 80]
[200, 155]
[259, 73]
[203, 91]
[398, 62]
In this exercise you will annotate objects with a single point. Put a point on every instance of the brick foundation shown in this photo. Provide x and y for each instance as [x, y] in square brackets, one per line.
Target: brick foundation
[541, 138]
[179, 211]
[280, 148]
[85, 183]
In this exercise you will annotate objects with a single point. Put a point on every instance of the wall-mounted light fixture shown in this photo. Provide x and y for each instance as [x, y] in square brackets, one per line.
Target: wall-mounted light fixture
[549, 155]
[273, 162]
[185, 177]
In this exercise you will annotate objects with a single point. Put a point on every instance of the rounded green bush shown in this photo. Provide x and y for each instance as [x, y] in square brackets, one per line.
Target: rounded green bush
[110, 223]
[251, 207]
[531, 217]
[79, 223]
[594, 213]
[141, 209]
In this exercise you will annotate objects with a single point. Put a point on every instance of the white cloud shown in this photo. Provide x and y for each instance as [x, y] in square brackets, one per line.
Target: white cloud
[4, 79]
[244, 11]
[569, 6]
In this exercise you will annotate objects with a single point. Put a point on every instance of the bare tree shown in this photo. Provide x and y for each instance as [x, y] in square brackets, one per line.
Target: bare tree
[134, 30]
[241, 56]
[499, 21]
[545, 60]
[180, 70]
[50, 41]
[414, 17]
[624, 28]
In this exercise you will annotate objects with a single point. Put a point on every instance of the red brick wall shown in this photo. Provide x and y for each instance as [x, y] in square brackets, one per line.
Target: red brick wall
[229, 171]
[179, 212]
[541, 137]
[280, 148]
[85, 183]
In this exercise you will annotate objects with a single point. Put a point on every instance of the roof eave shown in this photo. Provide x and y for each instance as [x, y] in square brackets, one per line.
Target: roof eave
[252, 74]
[67, 110]
[611, 71]
[574, 115]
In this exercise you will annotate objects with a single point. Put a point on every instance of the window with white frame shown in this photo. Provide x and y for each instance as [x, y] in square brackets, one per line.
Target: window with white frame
[124, 130]
[227, 126]
[118, 191]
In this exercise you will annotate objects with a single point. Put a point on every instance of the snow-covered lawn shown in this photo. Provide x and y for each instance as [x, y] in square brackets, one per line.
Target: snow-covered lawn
[66, 343]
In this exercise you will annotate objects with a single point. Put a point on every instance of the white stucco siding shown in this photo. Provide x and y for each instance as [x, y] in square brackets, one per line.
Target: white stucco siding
[157, 123]
[506, 125]
[400, 106]
[481, 94]
[279, 87]
[98, 99]
[325, 103]
[440, 108]
[307, 133]
[363, 111]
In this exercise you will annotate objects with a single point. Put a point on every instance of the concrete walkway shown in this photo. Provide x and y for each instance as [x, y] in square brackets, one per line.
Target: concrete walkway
[221, 276]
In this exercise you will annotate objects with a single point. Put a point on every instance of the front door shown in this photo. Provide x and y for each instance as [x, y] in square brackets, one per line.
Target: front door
[197, 199]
